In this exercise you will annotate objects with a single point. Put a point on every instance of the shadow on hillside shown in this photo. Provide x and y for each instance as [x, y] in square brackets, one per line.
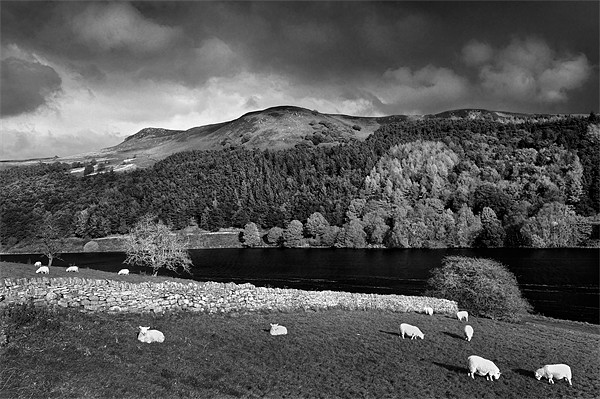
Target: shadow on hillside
[524, 373]
[390, 333]
[453, 335]
[453, 368]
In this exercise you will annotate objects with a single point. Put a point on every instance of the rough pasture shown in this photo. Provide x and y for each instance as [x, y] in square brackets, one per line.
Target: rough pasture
[328, 354]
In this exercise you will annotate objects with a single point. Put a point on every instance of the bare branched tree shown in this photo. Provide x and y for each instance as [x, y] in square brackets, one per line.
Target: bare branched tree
[151, 244]
[50, 237]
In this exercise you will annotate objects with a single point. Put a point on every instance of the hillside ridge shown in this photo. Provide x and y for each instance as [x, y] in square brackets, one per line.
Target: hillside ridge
[273, 128]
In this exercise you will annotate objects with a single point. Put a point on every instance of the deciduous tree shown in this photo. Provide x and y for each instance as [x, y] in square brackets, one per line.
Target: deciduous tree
[51, 237]
[275, 235]
[468, 226]
[251, 236]
[315, 227]
[152, 244]
[555, 225]
[293, 234]
[330, 236]
[492, 233]
[353, 235]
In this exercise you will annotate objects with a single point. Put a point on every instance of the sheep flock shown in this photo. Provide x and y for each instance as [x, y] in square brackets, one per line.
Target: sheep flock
[476, 365]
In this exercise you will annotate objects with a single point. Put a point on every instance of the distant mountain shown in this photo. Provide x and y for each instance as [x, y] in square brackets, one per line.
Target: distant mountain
[272, 128]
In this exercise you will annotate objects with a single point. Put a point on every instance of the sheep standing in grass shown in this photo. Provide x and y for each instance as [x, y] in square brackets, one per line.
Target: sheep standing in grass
[412, 331]
[124, 271]
[148, 336]
[73, 269]
[43, 270]
[551, 371]
[468, 332]
[276, 329]
[428, 310]
[462, 315]
[481, 366]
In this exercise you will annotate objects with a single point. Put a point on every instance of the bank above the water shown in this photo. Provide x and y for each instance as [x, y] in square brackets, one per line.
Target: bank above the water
[224, 238]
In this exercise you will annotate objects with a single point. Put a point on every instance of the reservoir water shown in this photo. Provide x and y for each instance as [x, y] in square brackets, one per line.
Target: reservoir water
[560, 283]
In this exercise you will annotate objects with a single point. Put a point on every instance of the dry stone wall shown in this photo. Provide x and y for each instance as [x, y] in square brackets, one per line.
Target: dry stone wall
[116, 296]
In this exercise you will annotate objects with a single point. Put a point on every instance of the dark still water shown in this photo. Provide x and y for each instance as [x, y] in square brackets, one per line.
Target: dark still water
[560, 283]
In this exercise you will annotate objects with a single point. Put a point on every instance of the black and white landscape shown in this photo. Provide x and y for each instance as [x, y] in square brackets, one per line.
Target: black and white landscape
[230, 154]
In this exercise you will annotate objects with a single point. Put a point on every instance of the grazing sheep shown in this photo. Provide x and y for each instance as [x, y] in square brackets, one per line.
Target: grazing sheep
[124, 271]
[483, 367]
[43, 270]
[148, 336]
[428, 310]
[37, 264]
[412, 331]
[551, 371]
[276, 329]
[73, 269]
[468, 332]
[462, 315]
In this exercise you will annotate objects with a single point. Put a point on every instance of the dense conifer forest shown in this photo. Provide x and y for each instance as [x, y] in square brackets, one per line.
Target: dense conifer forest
[430, 183]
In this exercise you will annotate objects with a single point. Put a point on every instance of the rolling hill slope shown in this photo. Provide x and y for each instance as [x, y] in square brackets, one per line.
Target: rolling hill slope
[272, 128]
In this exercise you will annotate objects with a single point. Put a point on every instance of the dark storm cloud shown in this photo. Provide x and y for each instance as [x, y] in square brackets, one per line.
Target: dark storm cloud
[25, 86]
[348, 46]
[313, 41]
[192, 41]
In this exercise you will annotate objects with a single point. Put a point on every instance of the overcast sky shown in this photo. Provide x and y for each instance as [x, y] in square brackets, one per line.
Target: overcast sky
[81, 76]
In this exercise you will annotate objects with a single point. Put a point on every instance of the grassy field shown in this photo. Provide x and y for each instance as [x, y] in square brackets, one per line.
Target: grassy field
[330, 354]
[23, 270]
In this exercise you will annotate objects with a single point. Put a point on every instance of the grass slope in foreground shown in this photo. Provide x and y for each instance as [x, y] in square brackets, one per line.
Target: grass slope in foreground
[330, 354]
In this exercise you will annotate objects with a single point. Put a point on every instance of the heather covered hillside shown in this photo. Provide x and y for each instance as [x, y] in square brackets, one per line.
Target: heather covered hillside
[413, 183]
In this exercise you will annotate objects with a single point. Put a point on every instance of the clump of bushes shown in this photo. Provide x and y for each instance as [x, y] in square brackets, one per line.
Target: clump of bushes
[483, 287]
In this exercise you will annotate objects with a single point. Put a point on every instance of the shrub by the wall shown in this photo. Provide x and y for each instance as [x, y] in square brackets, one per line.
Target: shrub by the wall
[483, 287]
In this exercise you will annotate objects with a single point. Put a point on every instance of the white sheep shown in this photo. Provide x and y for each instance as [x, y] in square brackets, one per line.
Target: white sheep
[462, 315]
[43, 270]
[428, 310]
[276, 329]
[73, 269]
[124, 271]
[468, 332]
[481, 366]
[37, 264]
[551, 371]
[148, 336]
[412, 331]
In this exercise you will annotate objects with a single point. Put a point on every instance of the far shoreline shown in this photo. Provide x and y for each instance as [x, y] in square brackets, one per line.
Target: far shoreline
[223, 239]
